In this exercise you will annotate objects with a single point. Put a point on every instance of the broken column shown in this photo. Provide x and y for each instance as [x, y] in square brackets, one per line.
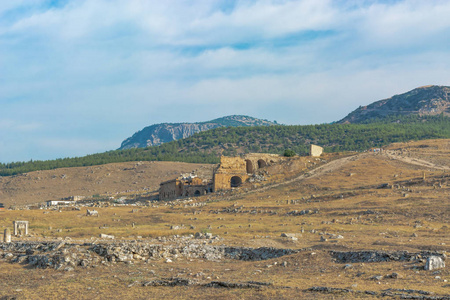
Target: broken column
[7, 236]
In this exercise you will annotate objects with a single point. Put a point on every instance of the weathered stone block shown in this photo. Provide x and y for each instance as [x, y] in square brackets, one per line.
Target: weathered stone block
[7, 236]
[434, 262]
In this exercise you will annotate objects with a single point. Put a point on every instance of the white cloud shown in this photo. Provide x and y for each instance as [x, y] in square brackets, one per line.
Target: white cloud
[108, 68]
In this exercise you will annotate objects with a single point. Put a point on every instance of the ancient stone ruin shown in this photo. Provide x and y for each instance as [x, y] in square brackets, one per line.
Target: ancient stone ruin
[434, 262]
[20, 228]
[232, 172]
[184, 186]
[7, 236]
[91, 213]
[315, 151]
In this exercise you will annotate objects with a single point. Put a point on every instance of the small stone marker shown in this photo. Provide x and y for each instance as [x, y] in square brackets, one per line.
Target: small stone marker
[7, 236]
[91, 213]
[434, 262]
[106, 236]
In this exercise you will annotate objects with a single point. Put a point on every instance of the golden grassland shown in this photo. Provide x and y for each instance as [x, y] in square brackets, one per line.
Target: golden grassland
[350, 199]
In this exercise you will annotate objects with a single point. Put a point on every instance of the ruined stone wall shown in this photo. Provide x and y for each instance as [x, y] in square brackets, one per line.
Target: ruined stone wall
[170, 190]
[231, 164]
[177, 188]
[256, 161]
[315, 151]
[196, 190]
[229, 167]
[232, 172]
[224, 181]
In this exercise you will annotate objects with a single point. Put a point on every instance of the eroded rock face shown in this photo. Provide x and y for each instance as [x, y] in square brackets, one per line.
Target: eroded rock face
[427, 100]
[162, 133]
[434, 262]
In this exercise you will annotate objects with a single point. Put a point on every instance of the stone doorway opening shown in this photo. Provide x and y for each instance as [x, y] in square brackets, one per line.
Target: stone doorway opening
[261, 163]
[249, 166]
[235, 181]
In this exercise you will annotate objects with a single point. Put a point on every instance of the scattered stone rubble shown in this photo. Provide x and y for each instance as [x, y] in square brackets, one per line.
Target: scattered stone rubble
[62, 255]
[175, 281]
[302, 212]
[66, 255]
[391, 293]
[381, 256]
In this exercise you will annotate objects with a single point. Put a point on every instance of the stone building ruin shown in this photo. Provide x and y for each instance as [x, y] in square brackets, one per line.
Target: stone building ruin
[20, 227]
[232, 172]
[315, 151]
[184, 186]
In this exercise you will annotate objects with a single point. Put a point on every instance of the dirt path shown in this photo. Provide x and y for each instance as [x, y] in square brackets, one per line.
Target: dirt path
[338, 163]
[328, 167]
[413, 161]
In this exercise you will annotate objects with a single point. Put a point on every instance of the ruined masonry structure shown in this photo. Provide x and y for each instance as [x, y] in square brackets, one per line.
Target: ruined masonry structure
[315, 151]
[232, 172]
[184, 186]
[20, 228]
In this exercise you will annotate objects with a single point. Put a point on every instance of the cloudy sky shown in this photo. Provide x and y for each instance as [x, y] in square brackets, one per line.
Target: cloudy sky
[79, 76]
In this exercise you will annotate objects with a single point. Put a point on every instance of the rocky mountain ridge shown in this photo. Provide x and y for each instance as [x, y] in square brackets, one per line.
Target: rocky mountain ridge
[426, 100]
[158, 134]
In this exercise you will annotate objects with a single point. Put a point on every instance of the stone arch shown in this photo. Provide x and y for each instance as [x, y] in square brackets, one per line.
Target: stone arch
[235, 181]
[261, 163]
[250, 169]
[197, 193]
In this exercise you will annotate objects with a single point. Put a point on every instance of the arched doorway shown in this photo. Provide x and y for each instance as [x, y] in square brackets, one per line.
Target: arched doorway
[249, 166]
[235, 181]
[261, 164]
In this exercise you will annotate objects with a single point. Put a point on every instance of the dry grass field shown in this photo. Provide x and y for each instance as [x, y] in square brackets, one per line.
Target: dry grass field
[396, 200]
[112, 179]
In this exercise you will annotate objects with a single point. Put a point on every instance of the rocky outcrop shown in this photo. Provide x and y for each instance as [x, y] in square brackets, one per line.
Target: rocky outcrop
[427, 100]
[158, 134]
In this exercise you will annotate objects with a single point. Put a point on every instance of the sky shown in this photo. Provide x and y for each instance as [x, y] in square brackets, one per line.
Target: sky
[79, 76]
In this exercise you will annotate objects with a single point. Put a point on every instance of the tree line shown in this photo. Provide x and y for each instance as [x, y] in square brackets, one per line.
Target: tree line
[207, 146]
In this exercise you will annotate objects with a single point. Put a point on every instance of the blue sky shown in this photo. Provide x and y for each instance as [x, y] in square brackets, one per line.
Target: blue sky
[78, 77]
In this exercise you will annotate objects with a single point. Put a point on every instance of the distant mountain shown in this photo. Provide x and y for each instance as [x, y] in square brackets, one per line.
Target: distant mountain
[158, 134]
[426, 100]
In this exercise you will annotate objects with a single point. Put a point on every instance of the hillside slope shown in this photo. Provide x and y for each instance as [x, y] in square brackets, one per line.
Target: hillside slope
[427, 100]
[158, 134]
[112, 179]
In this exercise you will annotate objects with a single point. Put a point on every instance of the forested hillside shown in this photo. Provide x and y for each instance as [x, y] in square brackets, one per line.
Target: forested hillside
[206, 147]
